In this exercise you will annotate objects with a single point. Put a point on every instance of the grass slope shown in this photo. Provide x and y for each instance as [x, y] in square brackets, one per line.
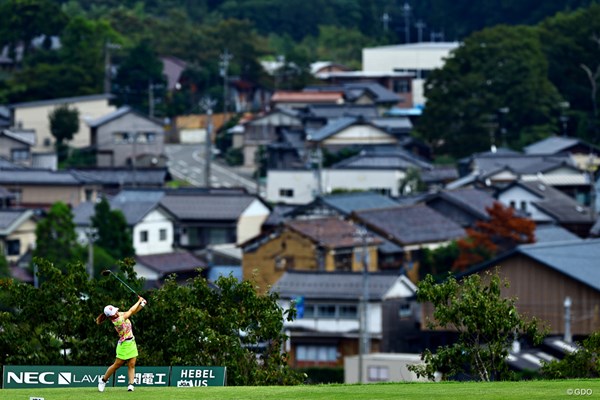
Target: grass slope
[448, 390]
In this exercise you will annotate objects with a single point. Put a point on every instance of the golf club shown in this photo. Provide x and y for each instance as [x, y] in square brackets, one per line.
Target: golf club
[107, 272]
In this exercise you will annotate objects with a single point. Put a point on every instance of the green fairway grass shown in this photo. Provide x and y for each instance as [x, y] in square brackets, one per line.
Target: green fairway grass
[447, 390]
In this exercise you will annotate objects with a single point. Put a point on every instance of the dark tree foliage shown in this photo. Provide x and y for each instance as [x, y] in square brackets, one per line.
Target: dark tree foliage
[113, 233]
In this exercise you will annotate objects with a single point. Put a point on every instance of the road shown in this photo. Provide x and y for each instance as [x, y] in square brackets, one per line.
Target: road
[187, 161]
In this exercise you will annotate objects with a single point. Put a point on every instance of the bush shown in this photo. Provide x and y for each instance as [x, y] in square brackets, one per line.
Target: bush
[318, 375]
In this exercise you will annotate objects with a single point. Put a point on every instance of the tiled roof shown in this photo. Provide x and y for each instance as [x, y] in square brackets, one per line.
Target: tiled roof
[411, 224]
[551, 145]
[486, 163]
[380, 93]
[168, 263]
[123, 176]
[348, 202]
[329, 111]
[555, 203]
[333, 285]
[379, 158]
[330, 232]
[10, 218]
[332, 127]
[553, 233]
[576, 259]
[207, 206]
[6, 164]
[308, 97]
[32, 176]
[470, 199]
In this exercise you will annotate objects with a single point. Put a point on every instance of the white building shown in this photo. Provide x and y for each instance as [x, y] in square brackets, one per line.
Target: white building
[418, 58]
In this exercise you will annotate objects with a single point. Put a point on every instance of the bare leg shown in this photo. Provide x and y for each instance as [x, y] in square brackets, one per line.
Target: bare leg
[111, 370]
[131, 370]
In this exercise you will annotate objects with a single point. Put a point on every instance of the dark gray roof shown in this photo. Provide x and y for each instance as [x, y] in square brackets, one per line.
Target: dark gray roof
[9, 217]
[109, 117]
[329, 111]
[575, 259]
[469, 199]
[555, 203]
[64, 100]
[552, 145]
[439, 174]
[207, 206]
[379, 93]
[333, 127]
[487, 163]
[553, 233]
[411, 224]
[380, 158]
[169, 263]
[348, 202]
[38, 177]
[393, 123]
[123, 176]
[6, 164]
[332, 285]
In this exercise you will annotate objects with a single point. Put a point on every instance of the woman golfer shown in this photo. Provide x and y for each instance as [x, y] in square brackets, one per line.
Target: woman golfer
[126, 347]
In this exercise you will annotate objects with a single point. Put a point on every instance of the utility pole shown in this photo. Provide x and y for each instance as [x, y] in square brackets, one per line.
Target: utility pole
[108, 46]
[365, 342]
[207, 104]
[420, 25]
[150, 99]
[225, 58]
[568, 337]
[91, 234]
[385, 18]
[406, 12]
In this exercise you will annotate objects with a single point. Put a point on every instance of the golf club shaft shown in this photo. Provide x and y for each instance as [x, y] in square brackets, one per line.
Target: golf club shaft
[126, 285]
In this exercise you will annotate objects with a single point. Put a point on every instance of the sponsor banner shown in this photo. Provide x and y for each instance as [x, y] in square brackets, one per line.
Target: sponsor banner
[198, 376]
[144, 376]
[23, 376]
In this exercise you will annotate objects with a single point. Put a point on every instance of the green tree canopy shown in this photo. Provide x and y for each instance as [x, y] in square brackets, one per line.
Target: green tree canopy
[497, 81]
[113, 233]
[485, 321]
[56, 238]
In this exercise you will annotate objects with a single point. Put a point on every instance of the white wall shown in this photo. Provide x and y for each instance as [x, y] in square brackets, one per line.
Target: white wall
[251, 220]
[304, 183]
[36, 118]
[518, 195]
[153, 223]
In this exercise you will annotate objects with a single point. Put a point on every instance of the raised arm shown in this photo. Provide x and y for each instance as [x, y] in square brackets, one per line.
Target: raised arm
[135, 308]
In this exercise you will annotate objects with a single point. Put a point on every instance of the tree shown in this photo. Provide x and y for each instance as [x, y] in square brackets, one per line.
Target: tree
[582, 363]
[64, 123]
[486, 324]
[502, 232]
[4, 270]
[114, 235]
[495, 70]
[56, 238]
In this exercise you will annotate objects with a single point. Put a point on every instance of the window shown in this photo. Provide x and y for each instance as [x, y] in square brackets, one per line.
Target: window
[13, 247]
[47, 142]
[347, 311]
[150, 137]
[326, 311]
[343, 260]
[162, 235]
[286, 192]
[88, 194]
[20, 155]
[404, 311]
[18, 195]
[144, 236]
[523, 205]
[513, 204]
[323, 353]
[378, 373]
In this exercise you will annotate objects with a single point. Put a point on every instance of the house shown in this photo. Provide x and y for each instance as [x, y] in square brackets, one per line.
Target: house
[464, 206]
[34, 116]
[208, 217]
[418, 59]
[543, 276]
[377, 169]
[544, 204]
[322, 244]
[381, 367]
[413, 228]
[362, 92]
[112, 180]
[151, 224]
[40, 188]
[266, 129]
[585, 155]
[17, 233]
[301, 99]
[328, 327]
[16, 147]
[127, 138]
[155, 268]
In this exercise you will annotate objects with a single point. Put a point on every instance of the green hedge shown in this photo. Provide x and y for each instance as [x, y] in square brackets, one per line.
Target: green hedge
[317, 375]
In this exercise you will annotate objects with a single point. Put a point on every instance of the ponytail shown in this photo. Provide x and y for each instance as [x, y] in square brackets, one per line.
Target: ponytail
[101, 318]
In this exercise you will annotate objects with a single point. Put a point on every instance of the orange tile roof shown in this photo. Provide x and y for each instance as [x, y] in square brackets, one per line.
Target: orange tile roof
[308, 97]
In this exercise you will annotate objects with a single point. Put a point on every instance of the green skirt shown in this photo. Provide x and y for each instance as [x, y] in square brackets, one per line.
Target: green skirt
[127, 349]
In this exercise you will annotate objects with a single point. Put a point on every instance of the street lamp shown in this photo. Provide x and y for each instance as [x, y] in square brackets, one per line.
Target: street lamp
[564, 118]
[207, 104]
